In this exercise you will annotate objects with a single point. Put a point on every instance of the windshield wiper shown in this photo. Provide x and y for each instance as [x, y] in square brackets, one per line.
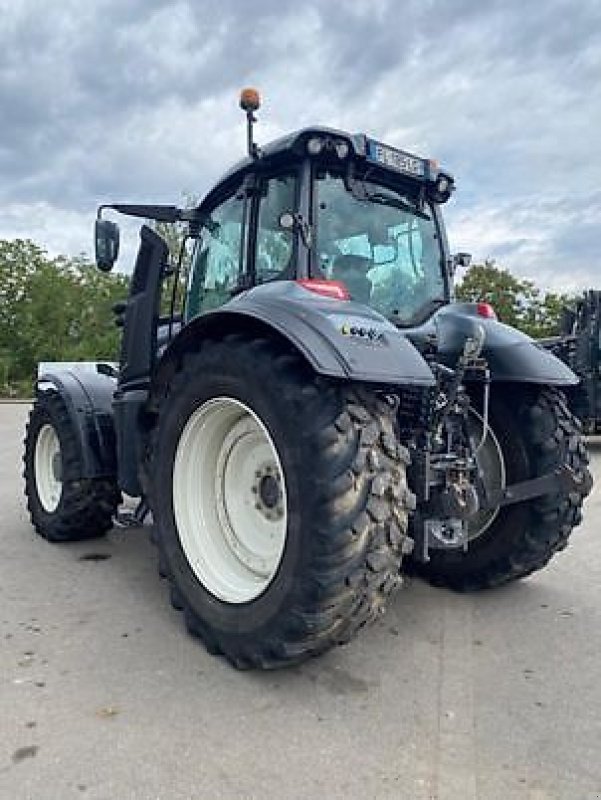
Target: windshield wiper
[395, 202]
[360, 192]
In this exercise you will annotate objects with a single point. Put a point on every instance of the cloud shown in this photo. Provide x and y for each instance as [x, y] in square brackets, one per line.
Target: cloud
[552, 240]
[136, 100]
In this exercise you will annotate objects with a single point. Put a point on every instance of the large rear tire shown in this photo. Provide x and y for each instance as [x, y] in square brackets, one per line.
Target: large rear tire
[536, 433]
[60, 510]
[280, 502]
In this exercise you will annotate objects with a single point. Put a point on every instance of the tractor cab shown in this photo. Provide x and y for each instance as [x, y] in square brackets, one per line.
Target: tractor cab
[346, 216]
[343, 215]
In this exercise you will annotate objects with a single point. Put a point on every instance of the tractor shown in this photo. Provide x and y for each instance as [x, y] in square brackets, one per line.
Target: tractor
[316, 416]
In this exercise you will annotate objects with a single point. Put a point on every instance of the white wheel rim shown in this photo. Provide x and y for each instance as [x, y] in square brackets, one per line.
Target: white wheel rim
[491, 463]
[47, 468]
[229, 500]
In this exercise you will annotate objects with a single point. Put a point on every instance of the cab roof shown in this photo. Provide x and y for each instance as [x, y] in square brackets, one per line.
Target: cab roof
[292, 147]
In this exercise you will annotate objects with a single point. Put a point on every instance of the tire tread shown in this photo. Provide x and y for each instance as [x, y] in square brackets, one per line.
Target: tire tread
[362, 497]
[87, 506]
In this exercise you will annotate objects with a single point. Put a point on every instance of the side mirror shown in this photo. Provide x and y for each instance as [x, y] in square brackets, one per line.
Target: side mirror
[462, 260]
[459, 260]
[106, 244]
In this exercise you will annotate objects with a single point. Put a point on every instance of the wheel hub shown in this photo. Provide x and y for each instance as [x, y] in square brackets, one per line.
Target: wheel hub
[267, 494]
[269, 491]
[57, 467]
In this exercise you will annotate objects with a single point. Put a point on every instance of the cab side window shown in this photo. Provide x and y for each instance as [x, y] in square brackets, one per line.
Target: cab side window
[217, 263]
[274, 244]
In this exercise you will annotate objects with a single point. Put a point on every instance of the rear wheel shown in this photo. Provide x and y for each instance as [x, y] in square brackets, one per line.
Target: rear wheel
[533, 433]
[62, 510]
[280, 502]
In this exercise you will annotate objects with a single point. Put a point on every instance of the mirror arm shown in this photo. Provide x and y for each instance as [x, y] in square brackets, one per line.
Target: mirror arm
[156, 213]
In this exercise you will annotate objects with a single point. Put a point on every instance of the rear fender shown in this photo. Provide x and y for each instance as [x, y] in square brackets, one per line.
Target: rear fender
[338, 339]
[87, 395]
[510, 354]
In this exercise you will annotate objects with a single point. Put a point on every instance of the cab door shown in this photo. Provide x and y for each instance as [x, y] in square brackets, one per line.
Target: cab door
[274, 255]
[244, 243]
[219, 263]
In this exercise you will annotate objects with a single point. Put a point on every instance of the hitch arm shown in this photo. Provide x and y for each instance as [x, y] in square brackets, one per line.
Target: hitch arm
[563, 479]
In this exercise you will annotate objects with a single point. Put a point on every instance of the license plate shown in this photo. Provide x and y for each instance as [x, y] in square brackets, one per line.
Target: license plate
[395, 159]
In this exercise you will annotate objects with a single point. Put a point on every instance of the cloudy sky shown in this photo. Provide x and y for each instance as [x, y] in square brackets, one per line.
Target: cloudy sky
[136, 100]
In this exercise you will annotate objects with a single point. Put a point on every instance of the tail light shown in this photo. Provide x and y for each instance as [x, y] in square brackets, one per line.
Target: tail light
[333, 289]
[486, 310]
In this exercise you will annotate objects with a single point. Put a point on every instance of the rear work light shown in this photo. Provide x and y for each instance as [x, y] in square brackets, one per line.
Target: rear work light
[486, 310]
[334, 289]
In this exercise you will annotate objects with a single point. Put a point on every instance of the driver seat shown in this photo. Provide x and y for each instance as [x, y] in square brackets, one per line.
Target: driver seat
[352, 271]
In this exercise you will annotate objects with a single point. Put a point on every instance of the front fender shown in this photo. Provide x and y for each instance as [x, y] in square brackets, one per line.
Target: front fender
[511, 355]
[339, 339]
[87, 395]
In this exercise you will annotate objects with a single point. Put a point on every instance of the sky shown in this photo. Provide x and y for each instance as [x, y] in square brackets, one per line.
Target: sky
[137, 101]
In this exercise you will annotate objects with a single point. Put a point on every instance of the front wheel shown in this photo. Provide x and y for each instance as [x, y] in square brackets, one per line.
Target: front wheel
[62, 510]
[280, 502]
[532, 433]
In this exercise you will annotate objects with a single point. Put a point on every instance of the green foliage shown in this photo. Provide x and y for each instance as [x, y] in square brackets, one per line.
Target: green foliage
[52, 309]
[59, 309]
[518, 302]
[175, 235]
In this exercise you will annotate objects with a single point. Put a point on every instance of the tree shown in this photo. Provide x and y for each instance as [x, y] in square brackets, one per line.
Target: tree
[174, 235]
[517, 302]
[52, 309]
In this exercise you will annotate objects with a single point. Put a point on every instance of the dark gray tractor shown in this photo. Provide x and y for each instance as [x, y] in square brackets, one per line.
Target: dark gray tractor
[314, 410]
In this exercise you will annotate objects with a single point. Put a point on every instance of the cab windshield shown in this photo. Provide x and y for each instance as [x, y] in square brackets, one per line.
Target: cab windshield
[385, 249]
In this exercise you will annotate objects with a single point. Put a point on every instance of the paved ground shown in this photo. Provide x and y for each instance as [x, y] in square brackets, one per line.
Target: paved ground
[103, 695]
